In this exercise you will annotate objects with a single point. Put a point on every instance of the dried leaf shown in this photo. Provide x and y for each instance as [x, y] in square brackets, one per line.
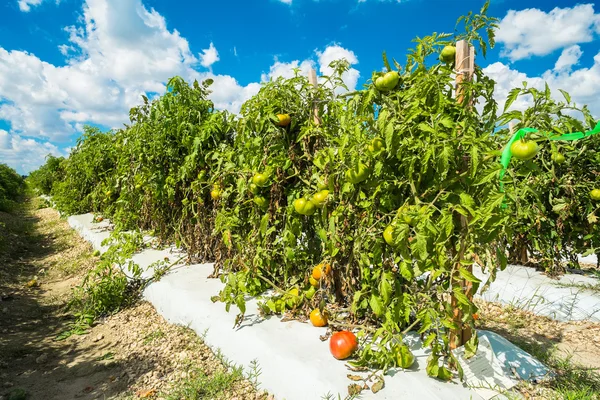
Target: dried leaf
[377, 386]
[354, 377]
[354, 389]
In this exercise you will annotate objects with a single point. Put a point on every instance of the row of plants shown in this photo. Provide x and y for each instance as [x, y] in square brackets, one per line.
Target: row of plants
[12, 187]
[555, 189]
[365, 209]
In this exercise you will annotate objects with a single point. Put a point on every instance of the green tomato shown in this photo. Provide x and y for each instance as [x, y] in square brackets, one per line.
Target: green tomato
[357, 174]
[388, 235]
[448, 54]
[376, 145]
[260, 179]
[254, 189]
[310, 292]
[387, 81]
[261, 201]
[558, 158]
[320, 198]
[201, 175]
[304, 207]
[524, 150]
[595, 194]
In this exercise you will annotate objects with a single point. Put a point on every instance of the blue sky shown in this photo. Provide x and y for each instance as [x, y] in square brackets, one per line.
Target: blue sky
[71, 62]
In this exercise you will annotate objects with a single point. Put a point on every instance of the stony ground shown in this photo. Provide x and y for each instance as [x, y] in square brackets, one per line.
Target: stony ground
[133, 354]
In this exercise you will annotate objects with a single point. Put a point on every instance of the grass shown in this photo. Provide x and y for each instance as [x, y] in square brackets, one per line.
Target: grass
[202, 386]
[152, 336]
[583, 286]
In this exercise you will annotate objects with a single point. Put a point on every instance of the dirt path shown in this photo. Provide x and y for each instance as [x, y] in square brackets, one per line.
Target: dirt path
[133, 354]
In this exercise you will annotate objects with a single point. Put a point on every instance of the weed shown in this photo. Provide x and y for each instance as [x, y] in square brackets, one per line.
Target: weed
[203, 386]
[152, 336]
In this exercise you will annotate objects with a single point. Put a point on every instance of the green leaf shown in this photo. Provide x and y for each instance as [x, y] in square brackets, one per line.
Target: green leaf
[376, 305]
[468, 276]
[385, 287]
[386, 62]
[406, 271]
[444, 374]
[471, 346]
[566, 96]
[419, 246]
[512, 96]
[460, 296]
[405, 357]
[264, 224]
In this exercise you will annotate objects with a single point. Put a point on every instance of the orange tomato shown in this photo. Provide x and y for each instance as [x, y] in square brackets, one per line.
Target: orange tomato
[317, 318]
[321, 270]
[284, 119]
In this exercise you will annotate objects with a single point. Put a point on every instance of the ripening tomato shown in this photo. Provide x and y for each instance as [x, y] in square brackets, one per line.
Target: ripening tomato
[284, 119]
[595, 194]
[342, 344]
[357, 174]
[448, 54]
[260, 179]
[319, 198]
[475, 316]
[313, 282]
[524, 150]
[215, 193]
[317, 318]
[304, 207]
[321, 270]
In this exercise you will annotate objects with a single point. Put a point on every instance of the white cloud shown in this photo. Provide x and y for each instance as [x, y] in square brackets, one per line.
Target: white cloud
[118, 51]
[324, 58]
[533, 32]
[582, 84]
[286, 1]
[209, 56]
[25, 5]
[568, 58]
[24, 155]
[286, 70]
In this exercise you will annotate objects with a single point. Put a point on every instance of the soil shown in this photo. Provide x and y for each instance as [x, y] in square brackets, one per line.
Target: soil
[132, 354]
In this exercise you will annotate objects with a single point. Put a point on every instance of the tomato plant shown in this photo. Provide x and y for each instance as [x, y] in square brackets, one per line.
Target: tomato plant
[554, 214]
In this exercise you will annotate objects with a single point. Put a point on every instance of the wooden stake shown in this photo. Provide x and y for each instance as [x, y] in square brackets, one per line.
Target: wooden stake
[312, 79]
[465, 67]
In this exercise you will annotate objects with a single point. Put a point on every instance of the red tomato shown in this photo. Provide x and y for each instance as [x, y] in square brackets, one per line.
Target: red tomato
[342, 344]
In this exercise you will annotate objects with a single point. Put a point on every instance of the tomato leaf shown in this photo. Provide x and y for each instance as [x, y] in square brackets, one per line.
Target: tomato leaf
[467, 275]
